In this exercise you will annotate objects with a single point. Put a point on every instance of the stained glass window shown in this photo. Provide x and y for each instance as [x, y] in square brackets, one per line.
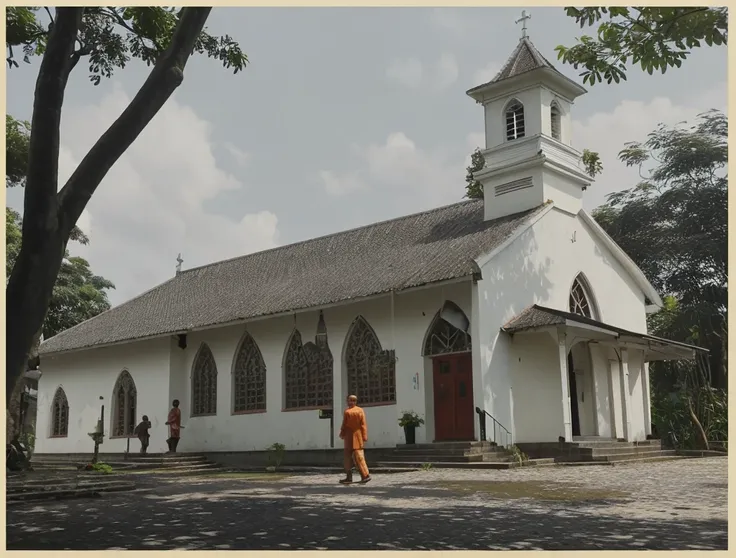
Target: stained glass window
[60, 414]
[204, 383]
[371, 370]
[308, 371]
[444, 338]
[124, 397]
[249, 378]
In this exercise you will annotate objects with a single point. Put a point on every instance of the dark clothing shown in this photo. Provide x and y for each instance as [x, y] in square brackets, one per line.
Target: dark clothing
[142, 432]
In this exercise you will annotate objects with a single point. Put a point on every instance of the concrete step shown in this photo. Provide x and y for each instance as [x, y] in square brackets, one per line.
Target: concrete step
[655, 459]
[165, 458]
[448, 451]
[428, 458]
[451, 464]
[446, 445]
[596, 452]
[614, 444]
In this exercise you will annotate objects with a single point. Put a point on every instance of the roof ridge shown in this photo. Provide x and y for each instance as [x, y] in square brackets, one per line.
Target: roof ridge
[345, 231]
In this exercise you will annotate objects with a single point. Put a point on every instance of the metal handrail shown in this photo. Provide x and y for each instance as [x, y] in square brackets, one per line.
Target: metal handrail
[482, 414]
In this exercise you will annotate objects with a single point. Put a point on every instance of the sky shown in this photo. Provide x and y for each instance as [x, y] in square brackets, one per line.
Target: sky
[343, 117]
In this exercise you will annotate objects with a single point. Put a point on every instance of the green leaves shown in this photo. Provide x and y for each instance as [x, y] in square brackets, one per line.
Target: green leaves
[473, 188]
[653, 38]
[592, 162]
[110, 37]
[673, 224]
[17, 144]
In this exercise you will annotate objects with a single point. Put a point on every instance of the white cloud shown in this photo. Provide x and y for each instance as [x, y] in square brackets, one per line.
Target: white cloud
[405, 71]
[447, 71]
[486, 73]
[150, 206]
[240, 157]
[607, 132]
[448, 19]
[338, 185]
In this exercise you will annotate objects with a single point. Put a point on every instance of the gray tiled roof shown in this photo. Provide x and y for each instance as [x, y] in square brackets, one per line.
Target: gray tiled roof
[540, 316]
[524, 58]
[410, 251]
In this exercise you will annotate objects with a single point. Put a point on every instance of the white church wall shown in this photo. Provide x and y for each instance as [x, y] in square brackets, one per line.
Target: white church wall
[87, 375]
[638, 430]
[537, 391]
[599, 359]
[539, 268]
[413, 313]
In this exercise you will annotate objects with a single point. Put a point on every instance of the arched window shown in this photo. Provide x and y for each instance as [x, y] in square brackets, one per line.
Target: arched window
[555, 119]
[581, 301]
[249, 377]
[514, 120]
[308, 371]
[371, 370]
[448, 332]
[204, 383]
[59, 415]
[124, 400]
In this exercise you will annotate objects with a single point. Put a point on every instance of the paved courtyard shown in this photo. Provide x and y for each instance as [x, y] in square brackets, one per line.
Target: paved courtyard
[668, 505]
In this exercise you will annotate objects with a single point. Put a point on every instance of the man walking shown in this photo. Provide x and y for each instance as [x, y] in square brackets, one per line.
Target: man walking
[174, 424]
[354, 433]
[143, 435]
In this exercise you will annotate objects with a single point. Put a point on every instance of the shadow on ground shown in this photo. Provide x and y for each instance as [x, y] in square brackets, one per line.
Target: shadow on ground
[248, 514]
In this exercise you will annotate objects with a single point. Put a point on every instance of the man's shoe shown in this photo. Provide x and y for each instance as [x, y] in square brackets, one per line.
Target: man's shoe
[365, 480]
[347, 480]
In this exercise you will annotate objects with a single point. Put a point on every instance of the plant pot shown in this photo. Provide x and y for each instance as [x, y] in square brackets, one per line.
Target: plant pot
[410, 434]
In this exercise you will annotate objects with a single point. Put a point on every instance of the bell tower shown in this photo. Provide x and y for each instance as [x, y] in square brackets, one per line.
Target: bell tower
[529, 158]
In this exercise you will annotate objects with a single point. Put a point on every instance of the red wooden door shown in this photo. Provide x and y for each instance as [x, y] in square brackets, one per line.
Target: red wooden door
[453, 397]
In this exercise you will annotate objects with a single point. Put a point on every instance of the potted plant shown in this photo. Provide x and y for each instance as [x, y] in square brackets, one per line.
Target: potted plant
[410, 421]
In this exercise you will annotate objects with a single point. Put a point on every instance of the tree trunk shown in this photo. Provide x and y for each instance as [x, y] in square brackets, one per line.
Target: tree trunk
[49, 217]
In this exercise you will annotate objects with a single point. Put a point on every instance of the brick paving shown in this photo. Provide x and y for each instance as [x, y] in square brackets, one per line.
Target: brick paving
[669, 505]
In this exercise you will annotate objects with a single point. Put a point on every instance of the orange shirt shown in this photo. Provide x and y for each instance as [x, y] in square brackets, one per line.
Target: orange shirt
[354, 428]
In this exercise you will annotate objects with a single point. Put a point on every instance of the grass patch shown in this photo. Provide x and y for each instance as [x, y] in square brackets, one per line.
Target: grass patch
[535, 490]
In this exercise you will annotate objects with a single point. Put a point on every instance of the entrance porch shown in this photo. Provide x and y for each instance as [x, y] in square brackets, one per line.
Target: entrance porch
[579, 377]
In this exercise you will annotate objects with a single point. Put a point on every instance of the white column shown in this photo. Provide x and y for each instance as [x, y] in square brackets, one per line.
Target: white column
[566, 422]
[646, 394]
[478, 363]
[613, 365]
[625, 393]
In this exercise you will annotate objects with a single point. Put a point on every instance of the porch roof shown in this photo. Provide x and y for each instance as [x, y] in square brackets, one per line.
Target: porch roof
[541, 318]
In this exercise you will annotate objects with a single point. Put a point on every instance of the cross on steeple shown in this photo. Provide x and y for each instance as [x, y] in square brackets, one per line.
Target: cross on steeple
[523, 18]
[179, 261]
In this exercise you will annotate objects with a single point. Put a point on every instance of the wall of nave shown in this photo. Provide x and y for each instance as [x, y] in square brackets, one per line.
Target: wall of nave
[254, 414]
[86, 376]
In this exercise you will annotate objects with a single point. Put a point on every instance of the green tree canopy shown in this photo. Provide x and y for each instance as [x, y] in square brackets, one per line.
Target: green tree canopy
[674, 225]
[473, 188]
[654, 38]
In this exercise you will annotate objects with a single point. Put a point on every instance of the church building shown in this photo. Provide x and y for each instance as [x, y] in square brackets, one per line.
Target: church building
[517, 307]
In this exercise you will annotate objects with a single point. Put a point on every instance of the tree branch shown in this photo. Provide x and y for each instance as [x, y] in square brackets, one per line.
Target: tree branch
[166, 76]
[43, 158]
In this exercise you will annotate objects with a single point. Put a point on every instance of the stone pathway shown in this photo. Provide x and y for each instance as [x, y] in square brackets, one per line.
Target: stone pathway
[670, 505]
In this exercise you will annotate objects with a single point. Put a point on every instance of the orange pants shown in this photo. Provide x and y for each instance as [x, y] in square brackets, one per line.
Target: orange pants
[358, 456]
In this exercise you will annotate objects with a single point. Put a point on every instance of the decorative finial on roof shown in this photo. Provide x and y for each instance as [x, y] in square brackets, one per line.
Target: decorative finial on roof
[523, 18]
[179, 261]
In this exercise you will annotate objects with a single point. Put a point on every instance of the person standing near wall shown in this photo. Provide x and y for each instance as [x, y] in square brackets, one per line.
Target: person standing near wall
[174, 424]
[354, 433]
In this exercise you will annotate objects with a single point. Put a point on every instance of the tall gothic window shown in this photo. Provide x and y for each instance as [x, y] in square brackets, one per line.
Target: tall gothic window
[555, 119]
[308, 371]
[204, 383]
[444, 337]
[514, 120]
[580, 299]
[371, 370]
[249, 378]
[59, 414]
[124, 399]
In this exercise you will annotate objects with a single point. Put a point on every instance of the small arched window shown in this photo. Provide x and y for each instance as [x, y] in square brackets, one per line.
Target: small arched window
[249, 378]
[581, 301]
[59, 415]
[204, 383]
[124, 401]
[514, 120]
[555, 120]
